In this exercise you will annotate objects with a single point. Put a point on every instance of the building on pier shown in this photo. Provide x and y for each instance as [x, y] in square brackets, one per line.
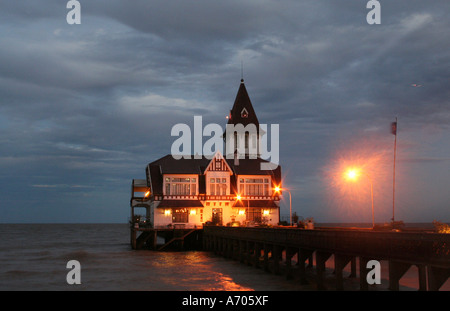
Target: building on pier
[225, 190]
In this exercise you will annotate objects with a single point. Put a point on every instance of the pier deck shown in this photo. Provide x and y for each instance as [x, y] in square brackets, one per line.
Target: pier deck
[430, 252]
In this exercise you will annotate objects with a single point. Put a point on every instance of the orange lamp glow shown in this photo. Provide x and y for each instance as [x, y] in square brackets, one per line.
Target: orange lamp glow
[352, 174]
[238, 197]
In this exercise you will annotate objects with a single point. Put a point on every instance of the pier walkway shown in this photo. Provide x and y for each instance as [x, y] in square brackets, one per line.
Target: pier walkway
[274, 248]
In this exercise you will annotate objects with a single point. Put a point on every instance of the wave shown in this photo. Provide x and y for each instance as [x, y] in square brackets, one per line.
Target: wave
[80, 255]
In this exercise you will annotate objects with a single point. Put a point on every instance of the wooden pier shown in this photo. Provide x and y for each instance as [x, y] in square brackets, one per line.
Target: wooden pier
[159, 239]
[264, 248]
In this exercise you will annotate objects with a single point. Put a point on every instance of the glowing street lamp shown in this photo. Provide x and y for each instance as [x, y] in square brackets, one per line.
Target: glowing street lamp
[278, 189]
[352, 174]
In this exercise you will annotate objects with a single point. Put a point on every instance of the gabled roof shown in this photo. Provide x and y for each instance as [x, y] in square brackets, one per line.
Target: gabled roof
[218, 156]
[169, 165]
[243, 103]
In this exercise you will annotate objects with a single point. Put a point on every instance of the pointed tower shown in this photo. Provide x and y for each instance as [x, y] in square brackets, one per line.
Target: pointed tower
[245, 123]
[242, 111]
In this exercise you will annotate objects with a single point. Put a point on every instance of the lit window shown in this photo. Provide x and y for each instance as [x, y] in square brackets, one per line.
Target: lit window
[180, 186]
[254, 186]
[244, 113]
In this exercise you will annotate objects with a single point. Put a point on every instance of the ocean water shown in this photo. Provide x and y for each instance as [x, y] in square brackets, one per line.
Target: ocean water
[34, 257]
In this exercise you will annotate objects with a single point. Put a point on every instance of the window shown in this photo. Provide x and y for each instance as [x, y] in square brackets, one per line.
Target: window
[244, 113]
[180, 186]
[254, 186]
[218, 186]
[180, 215]
[167, 189]
[254, 214]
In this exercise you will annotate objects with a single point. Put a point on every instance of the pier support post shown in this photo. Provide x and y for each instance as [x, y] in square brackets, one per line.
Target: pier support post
[303, 255]
[249, 252]
[230, 248]
[218, 247]
[266, 257]
[363, 285]
[340, 261]
[242, 245]
[353, 268]
[321, 258]
[257, 248]
[133, 238]
[276, 255]
[290, 252]
[235, 249]
[310, 261]
[155, 239]
[396, 271]
[422, 271]
[437, 277]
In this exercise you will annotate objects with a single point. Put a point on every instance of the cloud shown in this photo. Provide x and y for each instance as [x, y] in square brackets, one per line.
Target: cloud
[61, 186]
[83, 104]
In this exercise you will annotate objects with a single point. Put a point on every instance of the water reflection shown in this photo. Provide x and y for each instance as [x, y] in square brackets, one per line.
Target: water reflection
[226, 283]
[191, 271]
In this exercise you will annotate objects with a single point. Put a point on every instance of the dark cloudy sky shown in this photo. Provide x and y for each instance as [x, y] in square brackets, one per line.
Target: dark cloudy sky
[84, 108]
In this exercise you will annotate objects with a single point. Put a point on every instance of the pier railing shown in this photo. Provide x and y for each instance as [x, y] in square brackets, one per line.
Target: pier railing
[422, 248]
[430, 252]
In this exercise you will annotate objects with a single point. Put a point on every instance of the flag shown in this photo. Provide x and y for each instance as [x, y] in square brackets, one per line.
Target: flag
[394, 128]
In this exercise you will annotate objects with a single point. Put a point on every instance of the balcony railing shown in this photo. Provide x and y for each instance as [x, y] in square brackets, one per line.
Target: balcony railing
[207, 197]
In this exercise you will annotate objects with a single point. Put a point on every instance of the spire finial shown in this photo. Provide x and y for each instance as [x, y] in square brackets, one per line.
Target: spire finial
[242, 71]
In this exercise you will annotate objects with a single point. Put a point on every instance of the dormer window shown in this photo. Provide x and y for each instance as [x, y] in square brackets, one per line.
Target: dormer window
[244, 113]
[218, 165]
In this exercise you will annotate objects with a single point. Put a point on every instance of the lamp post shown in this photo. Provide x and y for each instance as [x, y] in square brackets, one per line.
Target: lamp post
[278, 189]
[352, 175]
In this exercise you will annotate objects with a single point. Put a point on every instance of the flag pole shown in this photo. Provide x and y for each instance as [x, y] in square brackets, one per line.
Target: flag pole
[394, 131]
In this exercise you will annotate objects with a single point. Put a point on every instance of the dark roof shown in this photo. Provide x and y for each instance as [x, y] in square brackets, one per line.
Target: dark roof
[243, 101]
[251, 167]
[169, 165]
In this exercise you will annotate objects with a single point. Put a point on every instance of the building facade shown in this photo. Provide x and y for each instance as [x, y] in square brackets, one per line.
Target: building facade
[231, 190]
